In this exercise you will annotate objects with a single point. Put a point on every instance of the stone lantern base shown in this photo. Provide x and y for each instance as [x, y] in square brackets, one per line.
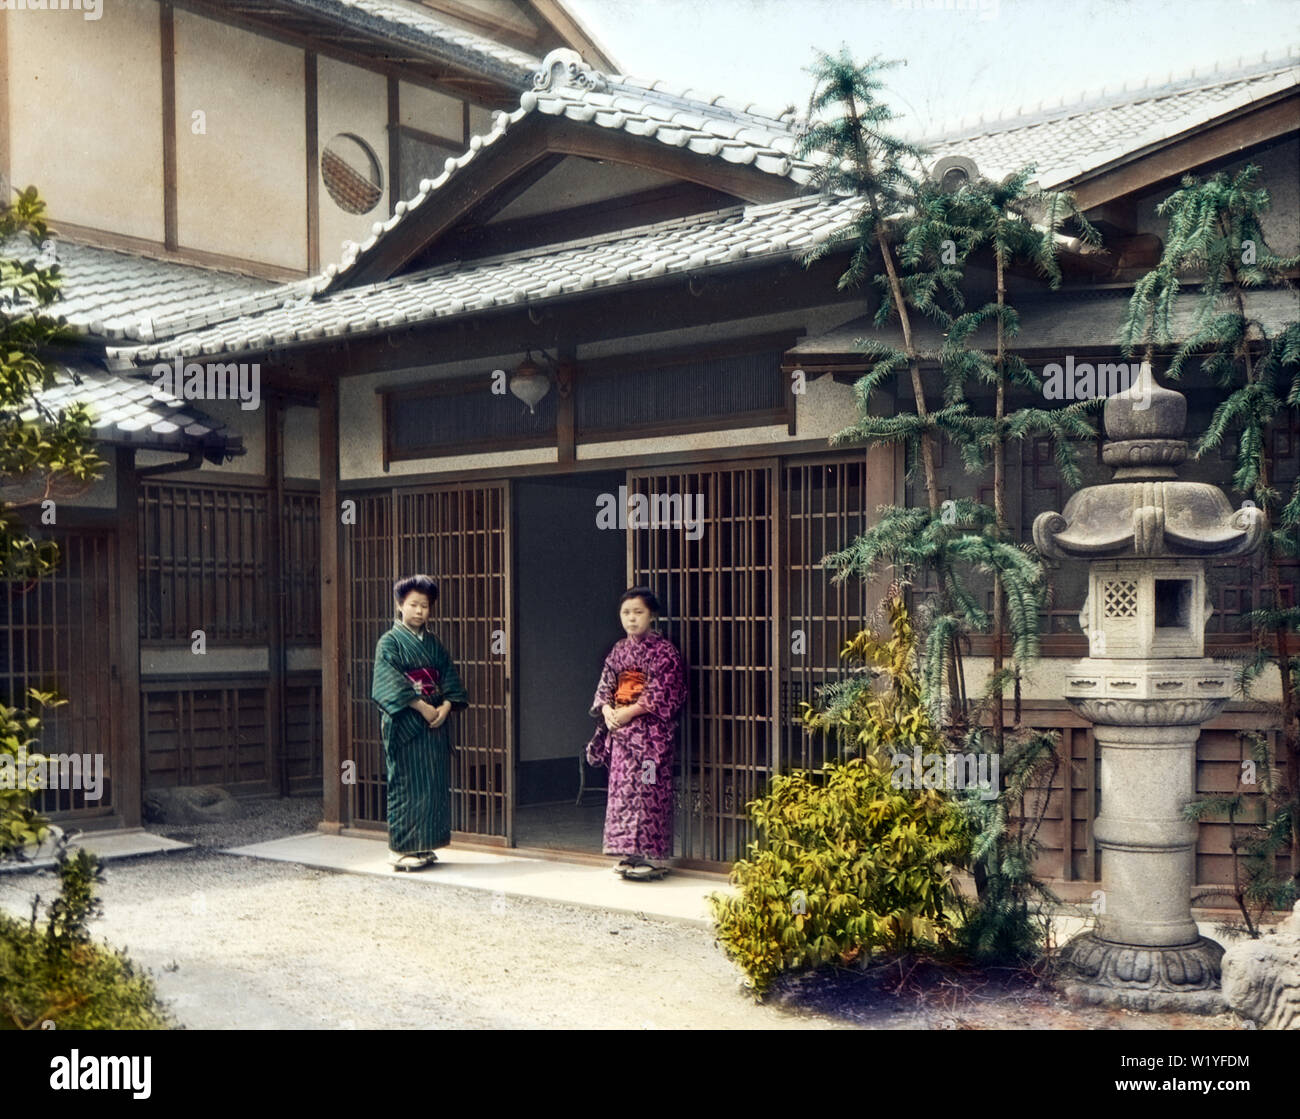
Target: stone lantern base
[1182, 977]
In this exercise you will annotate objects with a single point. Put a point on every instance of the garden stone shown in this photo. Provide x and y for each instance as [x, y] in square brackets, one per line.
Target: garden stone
[190, 804]
[1261, 978]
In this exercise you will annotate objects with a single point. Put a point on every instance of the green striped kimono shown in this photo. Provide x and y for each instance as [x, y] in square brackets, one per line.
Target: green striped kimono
[417, 756]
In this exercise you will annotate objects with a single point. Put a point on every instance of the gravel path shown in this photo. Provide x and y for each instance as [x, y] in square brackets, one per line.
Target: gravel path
[240, 943]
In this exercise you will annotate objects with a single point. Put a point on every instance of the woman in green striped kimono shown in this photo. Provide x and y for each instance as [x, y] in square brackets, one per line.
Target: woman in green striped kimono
[416, 687]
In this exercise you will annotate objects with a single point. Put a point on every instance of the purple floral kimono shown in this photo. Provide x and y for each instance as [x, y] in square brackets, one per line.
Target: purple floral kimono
[639, 815]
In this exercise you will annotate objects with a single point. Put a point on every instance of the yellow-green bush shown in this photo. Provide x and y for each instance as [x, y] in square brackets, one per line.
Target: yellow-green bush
[845, 866]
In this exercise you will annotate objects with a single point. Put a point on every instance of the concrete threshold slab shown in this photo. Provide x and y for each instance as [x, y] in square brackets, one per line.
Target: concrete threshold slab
[108, 845]
[679, 897]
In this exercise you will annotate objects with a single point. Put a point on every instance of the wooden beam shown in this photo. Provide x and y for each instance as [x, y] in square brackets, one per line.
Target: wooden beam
[521, 184]
[565, 410]
[129, 763]
[394, 143]
[105, 239]
[312, 125]
[501, 29]
[167, 44]
[333, 677]
[276, 700]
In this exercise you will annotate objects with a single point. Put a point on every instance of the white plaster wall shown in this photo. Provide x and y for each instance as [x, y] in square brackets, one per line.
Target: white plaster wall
[578, 181]
[351, 100]
[85, 101]
[183, 661]
[430, 111]
[301, 443]
[480, 121]
[241, 187]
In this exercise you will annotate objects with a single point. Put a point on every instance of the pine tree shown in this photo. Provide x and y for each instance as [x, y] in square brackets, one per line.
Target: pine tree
[927, 240]
[858, 157]
[1216, 240]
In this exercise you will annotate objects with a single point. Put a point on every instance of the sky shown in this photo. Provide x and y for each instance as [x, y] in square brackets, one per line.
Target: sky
[964, 58]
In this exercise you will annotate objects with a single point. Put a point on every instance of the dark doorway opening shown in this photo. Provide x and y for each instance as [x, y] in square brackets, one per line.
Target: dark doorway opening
[569, 575]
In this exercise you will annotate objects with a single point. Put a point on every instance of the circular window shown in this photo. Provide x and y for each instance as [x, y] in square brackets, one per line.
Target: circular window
[352, 174]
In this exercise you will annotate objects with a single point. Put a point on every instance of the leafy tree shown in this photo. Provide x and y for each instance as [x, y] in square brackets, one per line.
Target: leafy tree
[43, 454]
[1216, 240]
[51, 973]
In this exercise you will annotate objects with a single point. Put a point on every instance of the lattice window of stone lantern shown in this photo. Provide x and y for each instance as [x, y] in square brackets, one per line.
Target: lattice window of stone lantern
[1120, 599]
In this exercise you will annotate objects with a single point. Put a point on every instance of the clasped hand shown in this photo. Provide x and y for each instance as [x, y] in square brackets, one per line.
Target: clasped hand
[435, 716]
[613, 719]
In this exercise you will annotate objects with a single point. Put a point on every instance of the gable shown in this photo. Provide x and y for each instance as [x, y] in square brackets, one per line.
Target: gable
[721, 153]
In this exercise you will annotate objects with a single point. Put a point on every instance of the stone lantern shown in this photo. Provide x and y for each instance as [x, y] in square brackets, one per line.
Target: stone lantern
[1146, 686]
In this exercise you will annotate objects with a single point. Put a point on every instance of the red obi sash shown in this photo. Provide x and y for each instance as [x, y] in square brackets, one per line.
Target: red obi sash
[631, 684]
[425, 681]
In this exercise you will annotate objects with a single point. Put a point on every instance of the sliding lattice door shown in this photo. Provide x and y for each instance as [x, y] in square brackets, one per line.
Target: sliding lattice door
[459, 535]
[720, 600]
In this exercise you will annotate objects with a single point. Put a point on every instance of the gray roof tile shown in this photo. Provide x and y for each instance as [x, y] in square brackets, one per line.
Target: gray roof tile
[1071, 140]
[129, 409]
[625, 257]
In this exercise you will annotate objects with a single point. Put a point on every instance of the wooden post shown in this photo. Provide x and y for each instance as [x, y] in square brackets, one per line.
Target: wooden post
[333, 678]
[313, 159]
[278, 577]
[128, 765]
[167, 42]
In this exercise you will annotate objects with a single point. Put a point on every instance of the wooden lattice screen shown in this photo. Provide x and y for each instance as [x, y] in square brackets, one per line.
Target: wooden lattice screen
[719, 598]
[368, 559]
[57, 634]
[824, 507]
[203, 563]
[300, 577]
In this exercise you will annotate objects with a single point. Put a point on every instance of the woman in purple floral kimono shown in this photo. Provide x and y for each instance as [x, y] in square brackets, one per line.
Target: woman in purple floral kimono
[642, 689]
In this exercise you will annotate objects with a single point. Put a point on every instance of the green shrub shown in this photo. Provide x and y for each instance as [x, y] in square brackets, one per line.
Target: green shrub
[54, 973]
[845, 866]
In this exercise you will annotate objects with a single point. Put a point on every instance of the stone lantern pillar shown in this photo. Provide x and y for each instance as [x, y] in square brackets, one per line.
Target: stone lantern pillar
[1147, 687]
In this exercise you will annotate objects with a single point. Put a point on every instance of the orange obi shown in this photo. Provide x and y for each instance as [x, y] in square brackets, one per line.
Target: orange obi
[630, 686]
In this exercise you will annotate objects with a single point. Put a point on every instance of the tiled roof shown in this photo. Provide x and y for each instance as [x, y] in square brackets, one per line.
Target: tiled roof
[719, 239]
[126, 410]
[121, 296]
[420, 28]
[566, 87]
[1071, 140]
